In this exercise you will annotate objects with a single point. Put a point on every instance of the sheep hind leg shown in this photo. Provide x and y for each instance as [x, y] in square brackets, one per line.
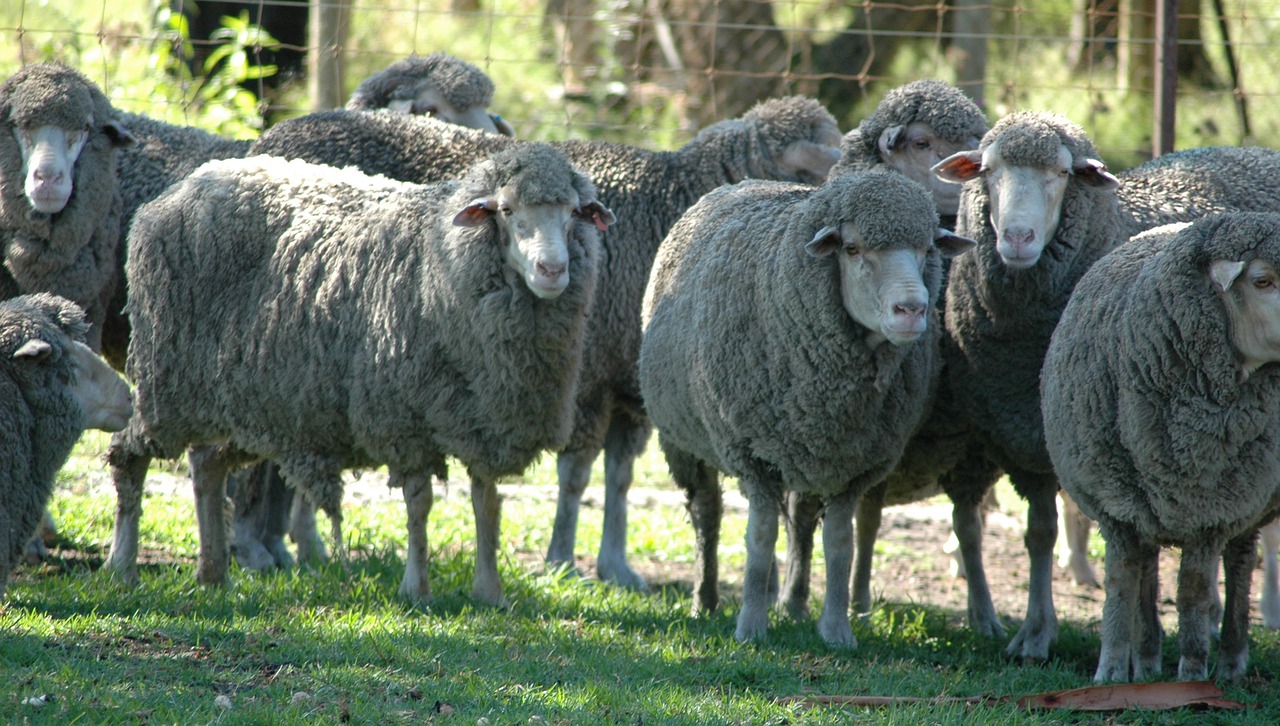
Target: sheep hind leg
[762, 537]
[1075, 554]
[837, 546]
[209, 465]
[37, 549]
[701, 484]
[624, 442]
[277, 499]
[1238, 559]
[303, 532]
[1270, 605]
[573, 469]
[1040, 627]
[128, 474]
[868, 516]
[1197, 575]
[246, 490]
[802, 518]
[966, 523]
[486, 586]
[418, 498]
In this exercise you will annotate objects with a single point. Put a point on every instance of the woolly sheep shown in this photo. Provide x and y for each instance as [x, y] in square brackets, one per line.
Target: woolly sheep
[1003, 301]
[60, 209]
[788, 139]
[787, 342]
[52, 387]
[1162, 417]
[437, 85]
[366, 321]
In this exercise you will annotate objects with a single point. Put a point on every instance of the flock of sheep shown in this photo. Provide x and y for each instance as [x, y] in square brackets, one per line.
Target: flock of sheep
[841, 322]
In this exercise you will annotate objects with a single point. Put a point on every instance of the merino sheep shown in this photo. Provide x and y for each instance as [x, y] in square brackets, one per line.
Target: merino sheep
[1162, 417]
[789, 139]
[437, 85]
[787, 342]
[1042, 209]
[52, 387]
[325, 319]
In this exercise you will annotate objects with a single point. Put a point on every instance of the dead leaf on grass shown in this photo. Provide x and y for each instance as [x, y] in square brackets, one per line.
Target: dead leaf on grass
[1147, 696]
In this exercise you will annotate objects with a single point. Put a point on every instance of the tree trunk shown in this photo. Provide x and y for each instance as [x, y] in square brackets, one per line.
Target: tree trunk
[326, 66]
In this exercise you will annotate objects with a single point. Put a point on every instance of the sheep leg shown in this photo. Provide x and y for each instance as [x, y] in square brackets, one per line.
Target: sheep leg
[128, 473]
[619, 462]
[209, 480]
[1148, 634]
[802, 518]
[303, 532]
[966, 526]
[1197, 575]
[1123, 568]
[36, 549]
[868, 528]
[573, 469]
[1270, 605]
[246, 491]
[486, 587]
[1075, 554]
[277, 499]
[701, 485]
[1237, 562]
[1040, 627]
[418, 498]
[762, 536]
[837, 545]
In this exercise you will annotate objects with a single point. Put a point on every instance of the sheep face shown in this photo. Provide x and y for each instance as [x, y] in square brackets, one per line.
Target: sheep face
[427, 101]
[914, 149]
[103, 395]
[1250, 292]
[49, 156]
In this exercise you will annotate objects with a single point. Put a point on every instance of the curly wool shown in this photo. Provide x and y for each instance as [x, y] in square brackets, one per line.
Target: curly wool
[952, 115]
[736, 306]
[1151, 425]
[1000, 319]
[648, 189]
[460, 83]
[40, 419]
[71, 253]
[346, 320]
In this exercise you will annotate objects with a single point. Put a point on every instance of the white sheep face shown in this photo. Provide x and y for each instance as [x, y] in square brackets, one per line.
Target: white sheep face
[914, 150]
[49, 155]
[429, 102]
[103, 395]
[1251, 295]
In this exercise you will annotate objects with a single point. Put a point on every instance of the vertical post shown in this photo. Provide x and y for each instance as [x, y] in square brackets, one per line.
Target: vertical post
[326, 67]
[1166, 70]
[969, 50]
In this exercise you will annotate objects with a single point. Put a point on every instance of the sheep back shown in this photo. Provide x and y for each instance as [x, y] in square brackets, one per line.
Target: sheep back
[1148, 421]
[749, 360]
[460, 83]
[1185, 185]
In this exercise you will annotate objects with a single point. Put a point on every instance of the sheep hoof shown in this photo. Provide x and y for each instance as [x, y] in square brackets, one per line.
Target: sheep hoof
[1192, 669]
[621, 575]
[836, 632]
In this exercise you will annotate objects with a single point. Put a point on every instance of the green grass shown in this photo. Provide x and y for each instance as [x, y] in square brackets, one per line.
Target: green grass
[566, 650]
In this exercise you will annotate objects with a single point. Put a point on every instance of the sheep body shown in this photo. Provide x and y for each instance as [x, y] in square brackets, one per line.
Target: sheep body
[325, 319]
[786, 139]
[52, 386]
[1165, 427]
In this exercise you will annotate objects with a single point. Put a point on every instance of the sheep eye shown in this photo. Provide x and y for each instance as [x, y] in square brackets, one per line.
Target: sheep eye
[852, 251]
[922, 143]
[1264, 283]
[506, 210]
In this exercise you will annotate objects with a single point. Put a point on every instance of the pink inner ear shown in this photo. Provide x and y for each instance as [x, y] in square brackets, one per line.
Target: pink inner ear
[598, 218]
[472, 215]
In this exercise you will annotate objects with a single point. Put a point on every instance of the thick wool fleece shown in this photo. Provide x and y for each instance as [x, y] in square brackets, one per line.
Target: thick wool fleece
[952, 115]
[72, 253]
[1184, 186]
[1149, 424]
[40, 419]
[460, 83]
[325, 319]
[648, 190]
[750, 361]
[1000, 319]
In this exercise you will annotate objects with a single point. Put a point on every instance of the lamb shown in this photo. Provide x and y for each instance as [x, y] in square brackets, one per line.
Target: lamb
[60, 208]
[437, 85]
[1042, 209]
[325, 319]
[52, 387]
[788, 139]
[787, 342]
[1161, 399]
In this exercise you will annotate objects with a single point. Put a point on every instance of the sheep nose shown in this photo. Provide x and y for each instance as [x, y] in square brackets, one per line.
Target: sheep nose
[1019, 236]
[551, 270]
[44, 175]
[912, 309]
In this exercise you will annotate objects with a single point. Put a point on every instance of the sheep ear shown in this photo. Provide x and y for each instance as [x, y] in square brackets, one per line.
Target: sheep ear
[1225, 272]
[119, 135]
[825, 242]
[504, 128]
[890, 139]
[400, 105]
[959, 167]
[951, 244]
[596, 212]
[476, 213]
[34, 349]
[1095, 174]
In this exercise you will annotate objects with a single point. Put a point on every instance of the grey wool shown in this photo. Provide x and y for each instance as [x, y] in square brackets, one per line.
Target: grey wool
[788, 139]
[40, 417]
[752, 365]
[1159, 432]
[325, 319]
[72, 252]
[460, 83]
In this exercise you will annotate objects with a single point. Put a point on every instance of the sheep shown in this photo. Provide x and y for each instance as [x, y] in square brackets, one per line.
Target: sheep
[60, 208]
[787, 342]
[52, 387]
[1003, 301]
[437, 85]
[788, 139]
[367, 321]
[1161, 403]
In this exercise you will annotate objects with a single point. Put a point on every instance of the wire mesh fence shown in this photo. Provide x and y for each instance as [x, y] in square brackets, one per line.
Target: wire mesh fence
[651, 72]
